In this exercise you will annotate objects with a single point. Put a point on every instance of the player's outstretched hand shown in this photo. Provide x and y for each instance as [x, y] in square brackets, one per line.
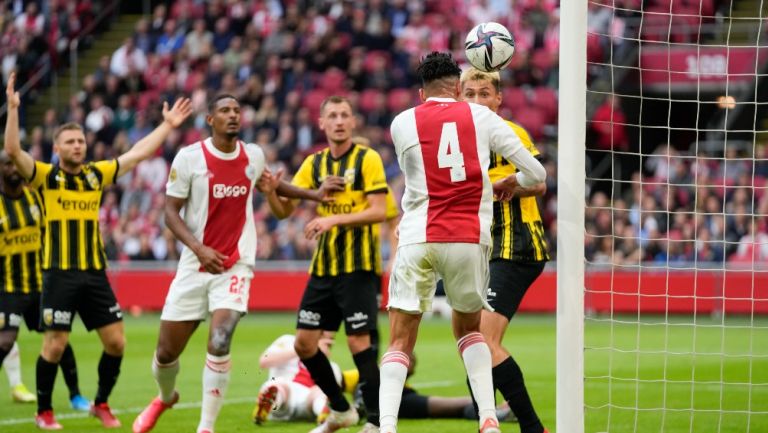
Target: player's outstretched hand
[268, 182]
[330, 185]
[181, 109]
[211, 260]
[318, 226]
[14, 100]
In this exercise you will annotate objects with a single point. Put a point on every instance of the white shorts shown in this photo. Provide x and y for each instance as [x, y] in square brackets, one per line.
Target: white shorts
[462, 266]
[193, 294]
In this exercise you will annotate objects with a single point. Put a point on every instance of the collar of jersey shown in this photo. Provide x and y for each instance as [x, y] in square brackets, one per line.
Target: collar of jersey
[437, 99]
[208, 143]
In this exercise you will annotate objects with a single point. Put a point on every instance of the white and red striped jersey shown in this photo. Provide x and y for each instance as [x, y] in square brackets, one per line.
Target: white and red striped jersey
[218, 188]
[443, 147]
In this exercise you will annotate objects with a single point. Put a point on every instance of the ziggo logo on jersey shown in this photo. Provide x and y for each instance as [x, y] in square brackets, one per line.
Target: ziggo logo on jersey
[222, 191]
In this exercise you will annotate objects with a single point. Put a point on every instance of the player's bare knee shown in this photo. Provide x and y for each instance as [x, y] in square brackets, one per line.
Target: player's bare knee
[305, 348]
[6, 343]
[115, 345]
[164, 355]
[53, 348]
[358, 342]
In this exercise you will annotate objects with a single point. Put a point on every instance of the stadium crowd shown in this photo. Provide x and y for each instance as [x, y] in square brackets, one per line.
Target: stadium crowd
[281, 59]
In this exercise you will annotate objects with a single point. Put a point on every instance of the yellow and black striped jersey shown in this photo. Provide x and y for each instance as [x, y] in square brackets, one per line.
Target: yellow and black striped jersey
[517, 229]
[71, 204]
[21, 228]
[343, 249]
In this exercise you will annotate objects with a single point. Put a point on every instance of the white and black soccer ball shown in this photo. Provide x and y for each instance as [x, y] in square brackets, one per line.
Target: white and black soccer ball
[489, 46]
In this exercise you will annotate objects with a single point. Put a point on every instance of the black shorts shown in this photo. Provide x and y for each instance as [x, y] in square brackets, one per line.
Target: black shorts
[66, 293]
[17, 306]
[509, 282]
[348, 297]
[413, 405]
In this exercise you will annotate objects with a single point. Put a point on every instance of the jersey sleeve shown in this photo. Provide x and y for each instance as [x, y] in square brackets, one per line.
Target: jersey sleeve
[257, 160]
[392, 210]
[179, 177]
[303, 177]
[374, 179]
[108, 169]
[39, 173]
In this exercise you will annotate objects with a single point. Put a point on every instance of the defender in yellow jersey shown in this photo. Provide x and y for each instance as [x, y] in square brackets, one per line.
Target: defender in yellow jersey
[344, 275]
[21, 224]
[74, 277]
[518, 256]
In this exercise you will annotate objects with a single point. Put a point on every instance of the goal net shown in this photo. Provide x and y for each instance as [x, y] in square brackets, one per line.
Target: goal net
[666, 326]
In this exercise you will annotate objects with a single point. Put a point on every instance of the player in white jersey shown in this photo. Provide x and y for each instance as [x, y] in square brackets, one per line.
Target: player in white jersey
[212, 181]
[291, 393]
[443, 147]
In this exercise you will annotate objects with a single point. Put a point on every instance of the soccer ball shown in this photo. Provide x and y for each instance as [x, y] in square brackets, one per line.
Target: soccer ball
[489, 47]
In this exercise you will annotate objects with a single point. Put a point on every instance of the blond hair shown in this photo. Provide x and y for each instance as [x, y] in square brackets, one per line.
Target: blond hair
[473, 74]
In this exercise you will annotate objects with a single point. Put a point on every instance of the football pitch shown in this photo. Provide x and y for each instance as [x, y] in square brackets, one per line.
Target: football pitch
[531, 338]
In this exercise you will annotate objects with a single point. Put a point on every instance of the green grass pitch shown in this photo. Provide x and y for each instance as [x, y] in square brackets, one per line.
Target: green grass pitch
[531, 338]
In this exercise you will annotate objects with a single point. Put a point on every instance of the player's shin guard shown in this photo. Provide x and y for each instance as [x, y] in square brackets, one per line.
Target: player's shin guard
[508, 378]
[165, 376]
[109, 370]
[477, 361]
[394, 370]
[320, 369]
[215, 384]
[45, 373]
[365, 362]
[69, 371]
[11, 362]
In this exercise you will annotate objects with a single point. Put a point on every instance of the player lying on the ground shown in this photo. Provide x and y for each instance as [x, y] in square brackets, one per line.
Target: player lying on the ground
[291, 394]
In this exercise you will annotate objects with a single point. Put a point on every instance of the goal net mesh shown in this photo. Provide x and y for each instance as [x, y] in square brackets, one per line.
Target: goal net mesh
[676, 222]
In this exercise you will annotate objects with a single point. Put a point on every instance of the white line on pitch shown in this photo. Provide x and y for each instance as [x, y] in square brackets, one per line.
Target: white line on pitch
[77, 415]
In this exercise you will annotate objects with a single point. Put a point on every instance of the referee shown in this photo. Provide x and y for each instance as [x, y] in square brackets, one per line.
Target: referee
[346, 266]
[74, 262]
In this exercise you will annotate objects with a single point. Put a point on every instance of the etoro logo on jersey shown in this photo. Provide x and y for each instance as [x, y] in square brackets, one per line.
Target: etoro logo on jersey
[223, 191]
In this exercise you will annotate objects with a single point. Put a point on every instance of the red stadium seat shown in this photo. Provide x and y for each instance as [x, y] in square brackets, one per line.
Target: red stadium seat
[513, 98]
[399, 100]
[533, 120]
[546, 99]
[375, 59]
[333, 80]
[312, 101]
[367, 101]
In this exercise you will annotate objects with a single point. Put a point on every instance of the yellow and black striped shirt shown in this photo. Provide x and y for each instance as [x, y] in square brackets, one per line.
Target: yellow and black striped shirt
[517, 229]
[21, 224]
[71, 204]
[342, 249]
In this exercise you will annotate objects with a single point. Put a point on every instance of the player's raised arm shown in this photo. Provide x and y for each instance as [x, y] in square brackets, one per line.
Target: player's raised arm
[505, 142]
[23, 160]
[146, 147]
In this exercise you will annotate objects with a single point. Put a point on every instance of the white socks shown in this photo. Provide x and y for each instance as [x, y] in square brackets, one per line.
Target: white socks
[215, 383]
[393, 371]
[477, 361]
[12, 366]
[165, 376]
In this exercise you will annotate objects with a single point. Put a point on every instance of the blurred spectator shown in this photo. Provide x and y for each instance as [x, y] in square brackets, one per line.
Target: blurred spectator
[127, 60]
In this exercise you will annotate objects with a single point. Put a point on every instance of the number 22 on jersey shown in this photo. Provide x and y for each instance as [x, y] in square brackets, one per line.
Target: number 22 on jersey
[449, 153]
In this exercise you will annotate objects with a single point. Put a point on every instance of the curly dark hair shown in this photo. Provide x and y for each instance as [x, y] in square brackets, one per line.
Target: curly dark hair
[436, 66]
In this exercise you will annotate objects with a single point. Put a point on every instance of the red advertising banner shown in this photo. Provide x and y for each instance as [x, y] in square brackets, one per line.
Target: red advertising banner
[708, 68]
[684, 292]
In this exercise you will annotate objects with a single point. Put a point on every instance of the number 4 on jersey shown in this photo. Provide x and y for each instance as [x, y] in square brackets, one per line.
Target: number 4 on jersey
[449, 153]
